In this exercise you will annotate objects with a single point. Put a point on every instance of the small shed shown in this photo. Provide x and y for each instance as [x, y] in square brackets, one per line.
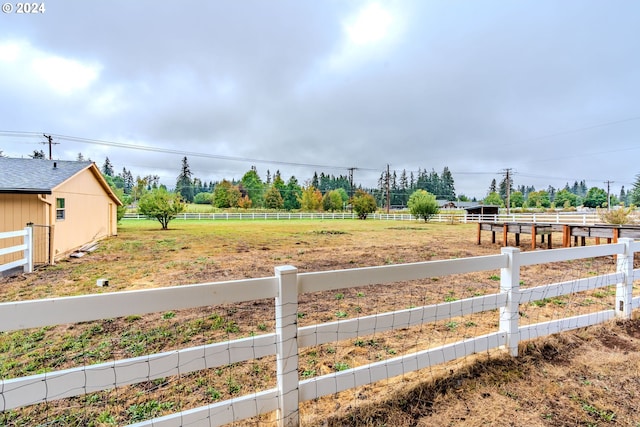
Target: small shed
[483, 210]
[68, 203]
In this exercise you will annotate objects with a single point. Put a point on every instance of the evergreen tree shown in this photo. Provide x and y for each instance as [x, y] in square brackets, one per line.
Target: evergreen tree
[273, 199]
[434, 187]
[279, 184]
[633, 195]
[493, 187]
[197, 186]
[422, 182]
[404, 188]
[623, 196]
[576, 188]
[36, 154]
[184, 183]
[395, 190]
[583, 189]
[293, 194]
[552, 193]
[252, 184]
[127, 181]
[503, 188]
[107, 167]
[448, 186]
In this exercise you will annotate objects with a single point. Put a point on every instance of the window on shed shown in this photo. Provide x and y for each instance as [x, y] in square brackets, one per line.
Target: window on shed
[59, 209]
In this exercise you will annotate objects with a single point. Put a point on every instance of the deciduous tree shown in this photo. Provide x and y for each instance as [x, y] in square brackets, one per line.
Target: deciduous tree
[332, 201]
[538, 199]
[225, 195]
[311, 199]
[595, 198]
[161, 205]
[565, 199]
[493, 199]
[423, 204]
[363, 204]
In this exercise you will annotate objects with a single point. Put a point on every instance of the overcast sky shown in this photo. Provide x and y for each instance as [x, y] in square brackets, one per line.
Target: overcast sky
[547, 88]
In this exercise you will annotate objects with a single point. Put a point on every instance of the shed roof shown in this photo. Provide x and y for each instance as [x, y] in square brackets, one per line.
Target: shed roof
[36, 175]
[41, 176]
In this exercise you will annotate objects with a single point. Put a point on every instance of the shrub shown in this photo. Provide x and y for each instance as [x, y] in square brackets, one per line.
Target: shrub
[619, 216]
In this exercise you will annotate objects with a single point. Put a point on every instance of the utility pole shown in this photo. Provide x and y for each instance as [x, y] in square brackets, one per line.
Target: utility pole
[508, 182]
[388, 197]
[608, 194]
[351, 181]
[351, 185]
[50, 142]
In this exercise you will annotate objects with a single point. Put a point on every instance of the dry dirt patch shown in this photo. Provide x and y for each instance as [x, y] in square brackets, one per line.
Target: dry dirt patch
[553, 384]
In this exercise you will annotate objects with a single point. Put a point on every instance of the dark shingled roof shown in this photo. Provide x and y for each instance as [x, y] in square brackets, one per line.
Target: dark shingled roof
[36, 175]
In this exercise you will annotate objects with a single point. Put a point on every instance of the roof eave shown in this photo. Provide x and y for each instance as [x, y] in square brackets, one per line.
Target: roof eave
[25, 191]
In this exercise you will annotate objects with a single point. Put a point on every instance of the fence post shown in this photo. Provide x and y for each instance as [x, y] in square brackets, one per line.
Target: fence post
[624, 289]
[287, 345]
[28, 253]
[509, 314]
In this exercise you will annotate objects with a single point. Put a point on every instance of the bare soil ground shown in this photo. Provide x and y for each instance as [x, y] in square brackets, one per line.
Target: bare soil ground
[586, 377]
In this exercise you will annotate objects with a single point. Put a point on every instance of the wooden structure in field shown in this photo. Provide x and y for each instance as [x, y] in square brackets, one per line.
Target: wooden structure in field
[579, 232]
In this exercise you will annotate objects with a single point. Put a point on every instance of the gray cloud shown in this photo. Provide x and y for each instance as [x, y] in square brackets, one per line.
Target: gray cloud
[475, 86]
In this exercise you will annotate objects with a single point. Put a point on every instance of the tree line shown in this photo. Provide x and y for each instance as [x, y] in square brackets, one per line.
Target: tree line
[568, 197]
[332, 193]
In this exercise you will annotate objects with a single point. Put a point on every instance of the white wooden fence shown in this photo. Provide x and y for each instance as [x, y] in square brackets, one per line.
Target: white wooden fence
[444, 216]
[285, 287]
[26, 247]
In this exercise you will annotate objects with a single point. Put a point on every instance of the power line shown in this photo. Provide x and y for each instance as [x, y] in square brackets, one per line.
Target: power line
[180, 152]
[582, 129]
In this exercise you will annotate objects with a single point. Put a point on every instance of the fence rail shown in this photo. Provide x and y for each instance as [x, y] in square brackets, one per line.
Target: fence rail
[443, 216]
[26, 247]
[285, 287]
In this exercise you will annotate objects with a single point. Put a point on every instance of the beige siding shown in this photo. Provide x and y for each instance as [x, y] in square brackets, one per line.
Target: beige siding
[16, 210]
[90, 214]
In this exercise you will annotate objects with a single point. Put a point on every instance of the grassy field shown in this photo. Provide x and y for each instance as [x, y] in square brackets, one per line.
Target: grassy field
[584, 378]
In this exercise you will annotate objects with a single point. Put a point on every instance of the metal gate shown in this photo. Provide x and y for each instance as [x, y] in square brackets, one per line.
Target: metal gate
[41, 244]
